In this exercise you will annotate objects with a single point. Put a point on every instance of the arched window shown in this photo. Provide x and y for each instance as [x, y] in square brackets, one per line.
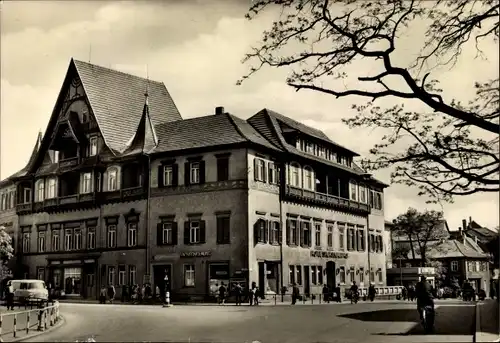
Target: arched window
[112, 179]
[294, 174]
[308, 178]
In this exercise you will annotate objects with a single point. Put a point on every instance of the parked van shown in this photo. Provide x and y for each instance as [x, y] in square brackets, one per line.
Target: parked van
[29, 290]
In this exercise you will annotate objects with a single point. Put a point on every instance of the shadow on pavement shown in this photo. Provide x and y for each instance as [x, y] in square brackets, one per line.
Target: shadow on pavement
[447, 321]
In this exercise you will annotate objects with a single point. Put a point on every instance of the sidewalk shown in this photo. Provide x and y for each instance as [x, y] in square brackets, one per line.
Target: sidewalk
[265, 302]
[7, 332]
[487, 321]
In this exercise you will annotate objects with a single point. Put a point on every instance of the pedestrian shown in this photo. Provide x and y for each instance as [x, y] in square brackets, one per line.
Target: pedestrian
[295, 293]
[222, 294]
[326, 294]
[404, 293]
[10, 296]
[111, 293]
[338, 293]
[102, 295]
[253, 294]
[124, 293]
[237, 291]
[371, 292]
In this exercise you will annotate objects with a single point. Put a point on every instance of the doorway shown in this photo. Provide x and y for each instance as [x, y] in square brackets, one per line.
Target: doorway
[262, 279]
[330, 274]
[159, 273]
[307, 281]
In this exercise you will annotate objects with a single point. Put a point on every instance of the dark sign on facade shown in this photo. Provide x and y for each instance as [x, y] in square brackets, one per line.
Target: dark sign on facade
[329, 254]
[196, 254]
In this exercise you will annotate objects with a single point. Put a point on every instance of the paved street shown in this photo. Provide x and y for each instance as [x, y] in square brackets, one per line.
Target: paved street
[374, 322]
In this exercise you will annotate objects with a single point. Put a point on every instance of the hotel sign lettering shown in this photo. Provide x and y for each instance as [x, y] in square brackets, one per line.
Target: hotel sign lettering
[329, 254]
[196, 254]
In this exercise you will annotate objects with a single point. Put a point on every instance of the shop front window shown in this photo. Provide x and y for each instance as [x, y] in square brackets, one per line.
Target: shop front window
[72, 281]
[57, 279]
[218, 274]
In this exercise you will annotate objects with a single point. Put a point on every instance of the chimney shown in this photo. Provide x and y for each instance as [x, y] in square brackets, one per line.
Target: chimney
[464, 224]
[460, 231]
[219, 110]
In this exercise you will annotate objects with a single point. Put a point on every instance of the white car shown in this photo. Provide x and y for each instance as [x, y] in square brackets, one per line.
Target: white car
[29, 290]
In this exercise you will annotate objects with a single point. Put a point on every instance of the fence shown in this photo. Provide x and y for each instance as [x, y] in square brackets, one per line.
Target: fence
[40, 319]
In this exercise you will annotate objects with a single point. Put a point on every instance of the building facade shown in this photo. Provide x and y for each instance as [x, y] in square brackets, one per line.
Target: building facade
[124, 191]
[460, 259]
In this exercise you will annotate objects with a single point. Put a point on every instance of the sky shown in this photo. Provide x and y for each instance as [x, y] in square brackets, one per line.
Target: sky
[195, 48]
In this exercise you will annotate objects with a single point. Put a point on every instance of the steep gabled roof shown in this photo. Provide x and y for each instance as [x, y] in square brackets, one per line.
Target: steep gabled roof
[212, 130]
[144, 139]
[28, 165]
[117, 101]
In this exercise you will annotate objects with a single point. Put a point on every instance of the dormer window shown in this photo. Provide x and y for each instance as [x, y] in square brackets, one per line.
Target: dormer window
[93, 146]
[40, 190]
[310, 148]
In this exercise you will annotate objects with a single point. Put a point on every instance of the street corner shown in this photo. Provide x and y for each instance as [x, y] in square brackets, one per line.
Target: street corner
[22, 336]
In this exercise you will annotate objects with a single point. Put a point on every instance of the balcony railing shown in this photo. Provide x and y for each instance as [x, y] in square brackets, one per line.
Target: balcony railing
[325, 198]
[131, 193]
[68, 163]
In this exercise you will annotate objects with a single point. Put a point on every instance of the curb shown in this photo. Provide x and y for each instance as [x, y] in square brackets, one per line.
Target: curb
[60, 323]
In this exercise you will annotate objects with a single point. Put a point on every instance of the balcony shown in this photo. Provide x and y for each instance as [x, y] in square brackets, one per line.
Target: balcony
[68, 163]
[325, 199]
[126, 194]
[23, 208]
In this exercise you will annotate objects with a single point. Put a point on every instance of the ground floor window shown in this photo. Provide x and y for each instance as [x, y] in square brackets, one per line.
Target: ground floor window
[189, 275]
[57, 278]
[342, 275]
[73, 281]
[218, 273]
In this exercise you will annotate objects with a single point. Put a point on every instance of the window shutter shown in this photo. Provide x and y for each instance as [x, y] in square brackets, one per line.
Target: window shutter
[175, 175]
[301, 234]
[269, 171]
[186, 232]
[118, 178]
[255, 169]
[202, 172]
[297, 232]
[256, 231]
[203, 236]
[309, 233]
[267, 227]
[187, 171]
[103, 274]
[358, 241]
[264, 174]
[160, 176]
[220, 230]
[174, 233]
[227, 230]
[280, 233]
[288, 231]
[159, 234]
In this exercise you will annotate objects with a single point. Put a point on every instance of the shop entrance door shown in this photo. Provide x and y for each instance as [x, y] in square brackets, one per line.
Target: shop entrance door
[330, 274]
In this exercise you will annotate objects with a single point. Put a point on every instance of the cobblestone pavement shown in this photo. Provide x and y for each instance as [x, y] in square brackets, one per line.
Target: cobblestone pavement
[363, 322]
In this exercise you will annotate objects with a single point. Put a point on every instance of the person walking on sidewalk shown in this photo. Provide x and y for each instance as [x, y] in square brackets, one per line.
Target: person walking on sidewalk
[295, 293]
[111, 293]
[237, 291]
[372, 292]
[102, 295]
[326, 294]
[10, 296]
[222, 294]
